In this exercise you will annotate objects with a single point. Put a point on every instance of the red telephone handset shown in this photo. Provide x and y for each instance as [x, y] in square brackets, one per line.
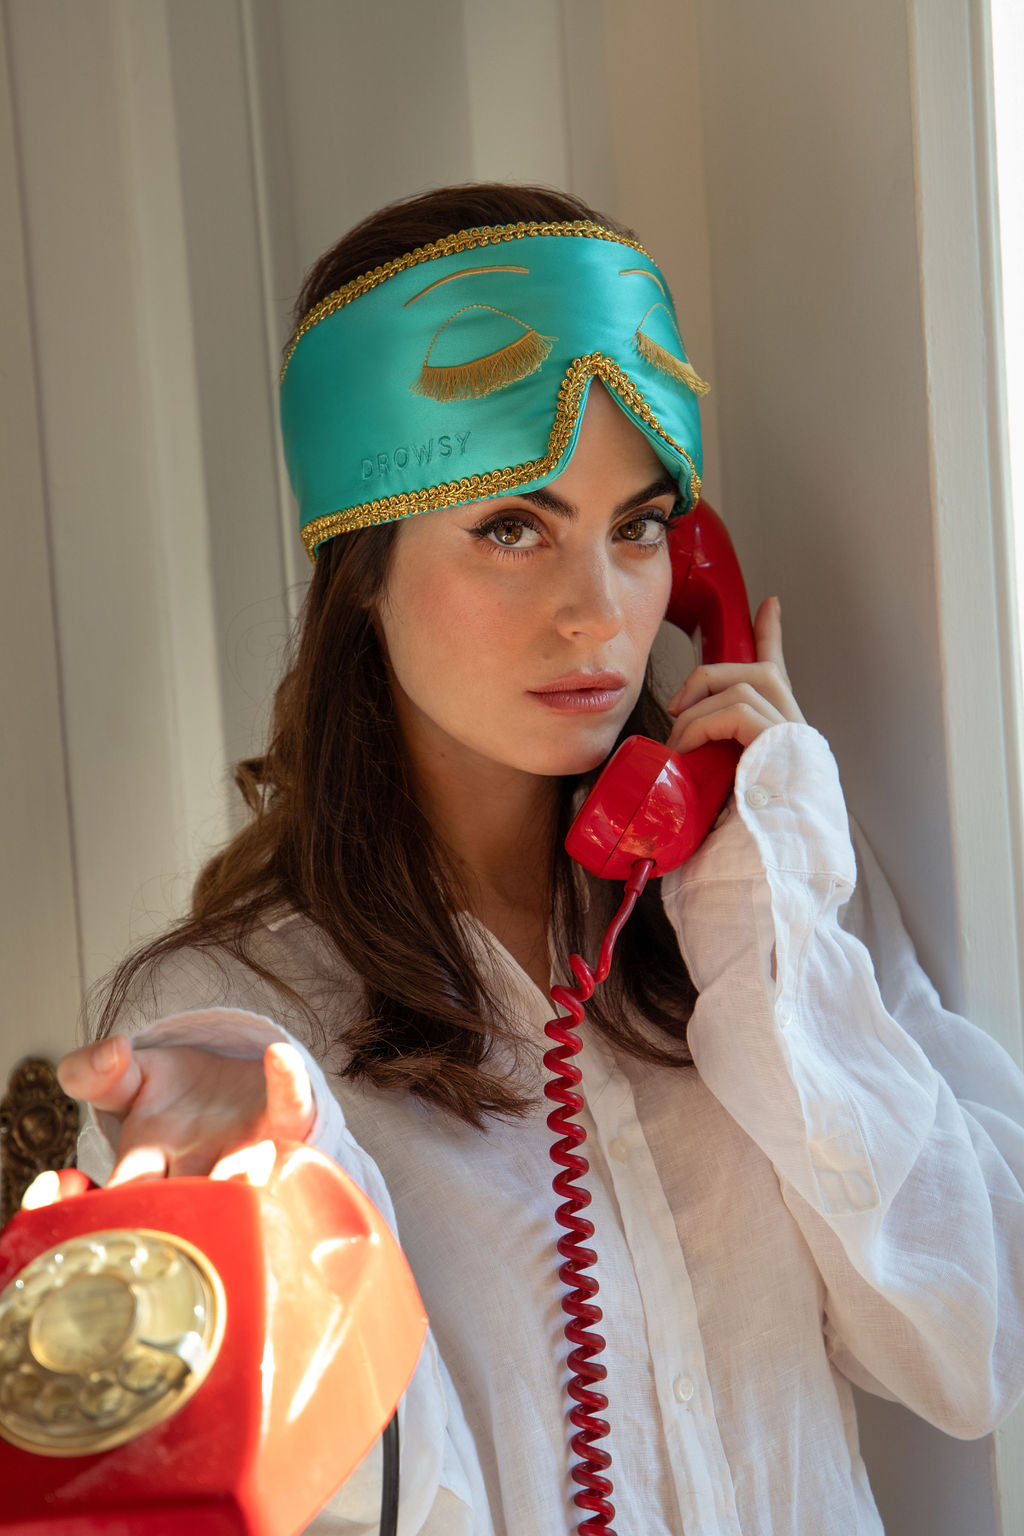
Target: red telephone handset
[648, 812]
[650, 803]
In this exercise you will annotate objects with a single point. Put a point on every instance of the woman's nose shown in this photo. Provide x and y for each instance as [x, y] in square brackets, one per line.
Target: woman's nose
[591, 603]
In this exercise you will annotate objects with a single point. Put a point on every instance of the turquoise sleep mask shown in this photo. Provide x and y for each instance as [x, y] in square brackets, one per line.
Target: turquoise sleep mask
[460, 371]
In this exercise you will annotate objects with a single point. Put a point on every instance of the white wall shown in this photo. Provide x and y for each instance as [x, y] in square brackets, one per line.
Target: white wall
[124, 504]
[39, 954]
[167, 171]
[821, 390]
[844, 190]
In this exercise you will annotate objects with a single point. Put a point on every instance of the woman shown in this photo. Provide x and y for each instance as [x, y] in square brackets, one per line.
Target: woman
[804, 1172]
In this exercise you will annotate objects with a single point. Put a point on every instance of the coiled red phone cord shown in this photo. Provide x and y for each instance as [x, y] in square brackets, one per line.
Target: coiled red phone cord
[579, 1305]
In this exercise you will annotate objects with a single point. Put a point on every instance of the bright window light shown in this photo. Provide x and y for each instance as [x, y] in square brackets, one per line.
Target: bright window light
[1008, 92]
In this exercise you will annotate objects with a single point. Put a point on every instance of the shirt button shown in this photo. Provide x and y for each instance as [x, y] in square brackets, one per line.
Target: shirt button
[757, 796]
[682, 1389]
[784, 1017]
[618, 1149]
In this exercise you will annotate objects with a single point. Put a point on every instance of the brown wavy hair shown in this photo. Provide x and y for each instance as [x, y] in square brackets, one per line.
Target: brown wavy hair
[336, 831]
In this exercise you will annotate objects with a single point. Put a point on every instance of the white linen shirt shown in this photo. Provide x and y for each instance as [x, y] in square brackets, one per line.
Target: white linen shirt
[832, 1195]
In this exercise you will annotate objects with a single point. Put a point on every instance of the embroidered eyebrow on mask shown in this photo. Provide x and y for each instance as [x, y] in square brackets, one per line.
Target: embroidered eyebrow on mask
[665, 361]
[643, 272]
[466, 272]
[481, 376]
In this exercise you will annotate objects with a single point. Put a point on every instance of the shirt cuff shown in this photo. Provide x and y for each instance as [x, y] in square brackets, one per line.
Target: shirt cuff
[787, 814]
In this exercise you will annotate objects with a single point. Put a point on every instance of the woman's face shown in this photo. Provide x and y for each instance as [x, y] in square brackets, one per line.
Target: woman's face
[518, 629]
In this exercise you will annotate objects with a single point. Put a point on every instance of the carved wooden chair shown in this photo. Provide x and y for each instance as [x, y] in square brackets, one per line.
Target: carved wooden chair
[38, 1130]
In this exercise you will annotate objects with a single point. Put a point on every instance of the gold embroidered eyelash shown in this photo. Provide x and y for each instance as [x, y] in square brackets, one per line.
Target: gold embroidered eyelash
[664, 360]
[483, 375]
[667, 362]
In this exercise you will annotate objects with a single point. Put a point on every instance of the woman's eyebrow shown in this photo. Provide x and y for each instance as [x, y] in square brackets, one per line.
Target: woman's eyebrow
[549, 502]
[465, 272]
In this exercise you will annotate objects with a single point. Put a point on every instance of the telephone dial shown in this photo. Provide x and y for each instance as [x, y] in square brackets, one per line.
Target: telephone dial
[198, 1356]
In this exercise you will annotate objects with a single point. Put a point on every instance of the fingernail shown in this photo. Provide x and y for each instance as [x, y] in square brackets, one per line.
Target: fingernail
[105, 1055]
[44, 1190]
[255, 1164]
[141, 1163]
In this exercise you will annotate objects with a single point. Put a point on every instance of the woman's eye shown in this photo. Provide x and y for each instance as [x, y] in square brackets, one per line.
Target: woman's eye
[511, 533]
[643, 530]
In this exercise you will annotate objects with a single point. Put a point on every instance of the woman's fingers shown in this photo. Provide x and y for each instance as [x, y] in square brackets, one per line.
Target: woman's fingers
[106, 1074]
[737, 700]
[290, 1111]
[236, 1104]
[183, 1108]
[142, 1162]
[54, 1185]
[254, 1162]
[768, 633]
[739, 715]
[713, 678]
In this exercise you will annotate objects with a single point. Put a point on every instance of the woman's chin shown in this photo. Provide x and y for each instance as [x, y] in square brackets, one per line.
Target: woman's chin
[570, 759]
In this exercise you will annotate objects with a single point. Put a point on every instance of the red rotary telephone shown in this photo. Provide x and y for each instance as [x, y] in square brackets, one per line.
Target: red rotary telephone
[648, 812]
[198, 1356]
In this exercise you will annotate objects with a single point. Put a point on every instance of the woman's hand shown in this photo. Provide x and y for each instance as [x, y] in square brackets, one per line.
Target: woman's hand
[736, 700]
[182, 1108]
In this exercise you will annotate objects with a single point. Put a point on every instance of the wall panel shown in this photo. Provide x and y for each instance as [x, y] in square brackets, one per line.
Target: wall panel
[39, 960]
[133, 815]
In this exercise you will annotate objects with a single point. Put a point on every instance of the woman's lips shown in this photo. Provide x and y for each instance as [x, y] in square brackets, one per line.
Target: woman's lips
[581, 692]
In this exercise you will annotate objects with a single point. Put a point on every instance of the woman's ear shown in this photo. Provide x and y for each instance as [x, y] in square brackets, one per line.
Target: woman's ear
[372, 609]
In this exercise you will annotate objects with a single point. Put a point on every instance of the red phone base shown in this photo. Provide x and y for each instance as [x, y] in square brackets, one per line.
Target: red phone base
[206, 1519]
[322, 1328]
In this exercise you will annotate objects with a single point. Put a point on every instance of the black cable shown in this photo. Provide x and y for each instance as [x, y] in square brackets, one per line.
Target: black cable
[389, 1479]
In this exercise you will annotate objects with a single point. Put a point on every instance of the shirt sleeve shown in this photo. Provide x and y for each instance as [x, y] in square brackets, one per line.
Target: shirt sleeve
[896, 1128]
[441, 1487]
